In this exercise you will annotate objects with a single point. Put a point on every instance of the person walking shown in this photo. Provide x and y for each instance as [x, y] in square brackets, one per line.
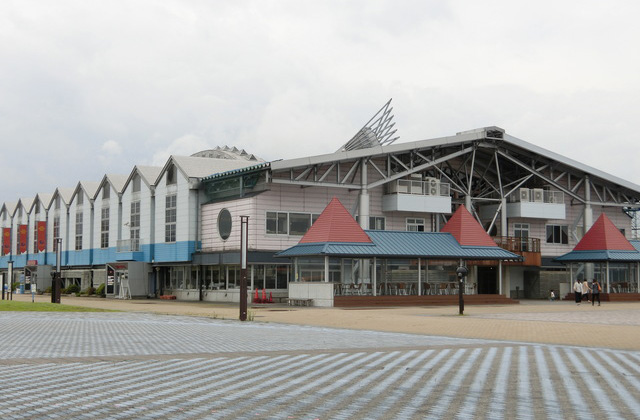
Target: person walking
[595, 292]
[585, 290]
[577, 290]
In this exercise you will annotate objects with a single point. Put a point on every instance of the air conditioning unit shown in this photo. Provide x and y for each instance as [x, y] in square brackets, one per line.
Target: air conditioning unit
[538, 195]
[524, 195]
[431, 186]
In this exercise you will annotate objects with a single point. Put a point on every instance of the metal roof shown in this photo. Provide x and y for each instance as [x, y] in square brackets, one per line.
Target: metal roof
[462, 137]
[395, 244]
[246, 169]
[600, 255]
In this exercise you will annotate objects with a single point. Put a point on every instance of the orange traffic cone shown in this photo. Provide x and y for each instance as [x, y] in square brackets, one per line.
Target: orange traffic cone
[264, 296]
[256, 299]
[270, 298]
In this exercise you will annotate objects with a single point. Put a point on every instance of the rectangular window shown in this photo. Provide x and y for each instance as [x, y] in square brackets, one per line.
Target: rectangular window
[299, 223]
[106, 192]
[56, 232]
[35, 237]
[558, 234]
[78, 231]
[104, 228]
[521, 230]
[134, 226]
[415, 224]
[284, 223]
[375, 222]
[136, 183]
[170, 218]
[277, 222]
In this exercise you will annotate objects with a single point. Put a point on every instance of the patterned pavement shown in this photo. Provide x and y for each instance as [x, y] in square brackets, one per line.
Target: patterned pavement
[144, 366]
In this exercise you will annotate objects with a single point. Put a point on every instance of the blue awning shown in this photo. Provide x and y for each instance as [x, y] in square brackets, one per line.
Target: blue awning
[395, 244]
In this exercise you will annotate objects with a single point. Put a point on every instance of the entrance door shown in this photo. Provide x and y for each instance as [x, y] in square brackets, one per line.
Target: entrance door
[487, 281]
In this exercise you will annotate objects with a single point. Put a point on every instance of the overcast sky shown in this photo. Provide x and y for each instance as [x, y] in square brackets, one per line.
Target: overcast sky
[95, 87]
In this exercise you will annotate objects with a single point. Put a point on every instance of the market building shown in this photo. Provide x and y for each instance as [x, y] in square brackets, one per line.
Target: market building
[174, 230]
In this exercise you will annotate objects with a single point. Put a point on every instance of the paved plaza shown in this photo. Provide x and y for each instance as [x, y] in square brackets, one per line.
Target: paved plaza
[147, 366]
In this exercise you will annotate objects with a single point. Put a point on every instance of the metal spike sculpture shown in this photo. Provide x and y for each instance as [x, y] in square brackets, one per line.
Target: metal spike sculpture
[378, 131]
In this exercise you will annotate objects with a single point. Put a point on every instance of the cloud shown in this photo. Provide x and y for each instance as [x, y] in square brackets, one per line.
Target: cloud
[111, 147]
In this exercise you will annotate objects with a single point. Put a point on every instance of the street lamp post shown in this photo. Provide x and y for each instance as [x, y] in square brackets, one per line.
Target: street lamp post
[10, 280]
[55, 287]
[244, 236]
[462, 273]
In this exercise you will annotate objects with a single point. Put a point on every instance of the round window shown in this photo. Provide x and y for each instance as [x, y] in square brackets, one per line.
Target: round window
[224, 224]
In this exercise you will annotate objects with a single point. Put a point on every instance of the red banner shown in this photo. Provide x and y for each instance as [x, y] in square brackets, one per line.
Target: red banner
[22, 239]
[6, 241]
[42, 236]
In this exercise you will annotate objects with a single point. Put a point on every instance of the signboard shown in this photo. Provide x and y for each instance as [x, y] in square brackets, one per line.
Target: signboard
[6, 241]
[22, 239]
[42, 236]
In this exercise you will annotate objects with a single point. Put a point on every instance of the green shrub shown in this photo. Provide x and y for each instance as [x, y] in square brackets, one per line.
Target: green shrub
[90, 290]
[15, 285]
[72, 288]
[47, 290]
[100, 290]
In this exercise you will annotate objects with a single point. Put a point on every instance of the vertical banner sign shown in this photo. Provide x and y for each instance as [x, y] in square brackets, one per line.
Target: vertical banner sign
[6, 241]
[42, 236]
[22, 239]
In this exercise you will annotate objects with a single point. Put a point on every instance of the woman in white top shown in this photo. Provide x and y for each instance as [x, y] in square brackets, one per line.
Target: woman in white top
[585, 290]
[577, 289]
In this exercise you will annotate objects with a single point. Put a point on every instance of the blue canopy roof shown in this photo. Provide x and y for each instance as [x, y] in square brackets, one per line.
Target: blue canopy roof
[602, 255]
[394, 244]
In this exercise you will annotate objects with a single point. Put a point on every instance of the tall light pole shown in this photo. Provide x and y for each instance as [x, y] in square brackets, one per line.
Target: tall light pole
[462, 273]
[55, 287]
[10, 280]
[244, 237]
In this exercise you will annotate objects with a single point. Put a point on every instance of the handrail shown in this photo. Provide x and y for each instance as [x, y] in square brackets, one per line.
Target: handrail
[518, 244]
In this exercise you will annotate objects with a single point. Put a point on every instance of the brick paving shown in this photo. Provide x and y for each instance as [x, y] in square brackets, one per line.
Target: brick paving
[148, 366]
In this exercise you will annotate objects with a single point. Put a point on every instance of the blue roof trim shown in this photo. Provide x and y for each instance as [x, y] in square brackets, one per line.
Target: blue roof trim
[600, 255]
[389, 244]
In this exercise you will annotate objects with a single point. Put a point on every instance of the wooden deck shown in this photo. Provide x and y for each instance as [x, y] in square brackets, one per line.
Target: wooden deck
[411, 300]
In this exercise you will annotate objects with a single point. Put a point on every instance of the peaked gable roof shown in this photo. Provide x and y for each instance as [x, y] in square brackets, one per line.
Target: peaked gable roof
[467, 230]
[335, 224]
[604, 235]
[45, 199]
[64, 193]
[199, 167]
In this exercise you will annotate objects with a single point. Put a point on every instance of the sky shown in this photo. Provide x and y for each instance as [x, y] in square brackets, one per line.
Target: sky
[89, 88]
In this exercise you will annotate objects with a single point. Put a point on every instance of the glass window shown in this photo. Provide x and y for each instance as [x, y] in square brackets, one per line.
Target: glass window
[415, 224]
[171, 175]
[224, 224]
[170, 218]
[277, 222]
[136, 183]
[270, 277]
[78, 231]
[134, 226]
[104, 228]
[557, 234]
[299, 223]
[106, 191]
[258, 277]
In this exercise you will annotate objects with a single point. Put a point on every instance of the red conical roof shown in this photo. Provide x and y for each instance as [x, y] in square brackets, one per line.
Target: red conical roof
[467, 230]
[604, 235]
[335, 224]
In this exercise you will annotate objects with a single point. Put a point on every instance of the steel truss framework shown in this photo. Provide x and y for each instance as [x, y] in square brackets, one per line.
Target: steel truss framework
[483, 165]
